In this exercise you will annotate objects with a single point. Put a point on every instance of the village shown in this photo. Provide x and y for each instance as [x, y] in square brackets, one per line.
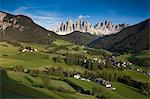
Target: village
[115, 63]
[101, 81]
[28, 49]
[88, 63]
[112, 59]
[120, 65]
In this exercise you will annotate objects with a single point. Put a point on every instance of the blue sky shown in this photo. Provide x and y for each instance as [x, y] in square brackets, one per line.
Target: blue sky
[50, 12]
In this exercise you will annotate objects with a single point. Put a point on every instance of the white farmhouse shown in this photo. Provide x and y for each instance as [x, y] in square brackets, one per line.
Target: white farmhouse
[83, 79]
[88, 80]
[35, 50]
[25, 50]
[108, 85]
[77, 76]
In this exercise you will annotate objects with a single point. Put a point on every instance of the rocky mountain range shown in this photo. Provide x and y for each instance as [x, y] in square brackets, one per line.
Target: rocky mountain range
[82, 25]
[131, 39]
[23, 28]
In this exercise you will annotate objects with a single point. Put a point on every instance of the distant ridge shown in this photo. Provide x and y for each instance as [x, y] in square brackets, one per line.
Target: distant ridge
[132, 39]
[79, 38]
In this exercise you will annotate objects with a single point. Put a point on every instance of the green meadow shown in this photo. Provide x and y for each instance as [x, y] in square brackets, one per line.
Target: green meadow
[56, 87]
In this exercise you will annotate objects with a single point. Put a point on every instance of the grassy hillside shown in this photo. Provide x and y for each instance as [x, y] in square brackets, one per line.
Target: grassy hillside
[133, 74]
[132, 39]
[79, 38]
[8, 86]
[127, 91]
[141, 58]
[57, 88]
[26, 89]
[10, 55]
[30, 84]
[123, 91]
[108, 93]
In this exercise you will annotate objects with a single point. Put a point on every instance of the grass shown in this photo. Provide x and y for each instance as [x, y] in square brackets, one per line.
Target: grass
[29, 80]
[89, 86]
[140, 59]
[27, 60]
[133, 74]
[7, 49]
[36, 59]
[61, 42]
[122, 91]
[39, 60]
[123, 57]
[61, 84]
[17, 80]
[13, 89]
[59, 95]
[136, 75]
[32, 60]
[128, 92]
[40, 47]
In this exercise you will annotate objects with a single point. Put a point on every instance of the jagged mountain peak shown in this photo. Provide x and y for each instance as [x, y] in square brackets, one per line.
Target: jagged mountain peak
[82, 25]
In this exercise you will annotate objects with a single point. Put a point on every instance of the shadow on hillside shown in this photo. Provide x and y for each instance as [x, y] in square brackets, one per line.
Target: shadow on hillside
[12, 89]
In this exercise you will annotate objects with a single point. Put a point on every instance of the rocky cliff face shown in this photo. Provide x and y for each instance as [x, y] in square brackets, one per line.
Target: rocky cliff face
[103, 28]
[22, 28]
[5, 22]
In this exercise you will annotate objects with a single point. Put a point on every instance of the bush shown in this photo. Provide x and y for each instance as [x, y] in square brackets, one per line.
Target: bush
[41, 86]
[4, 55]
[46, 57]
[76, 49]
[46, 80]
[76, 87]
[18, 68]
[98, 52]
[29, 79]
[14, 43]
[57, 59]
[35, 73]
[4, 45]
[97, 92]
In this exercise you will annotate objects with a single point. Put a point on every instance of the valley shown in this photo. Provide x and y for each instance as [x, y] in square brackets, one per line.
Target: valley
[32, 70]
[46, 53]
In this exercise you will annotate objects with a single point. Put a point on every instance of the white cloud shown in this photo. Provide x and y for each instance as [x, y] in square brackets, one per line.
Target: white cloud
[83, 16]
[45, 19]
[20, 10]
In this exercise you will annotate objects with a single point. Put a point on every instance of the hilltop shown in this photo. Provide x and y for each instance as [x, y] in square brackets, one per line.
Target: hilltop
[132, 39]
[22, 28]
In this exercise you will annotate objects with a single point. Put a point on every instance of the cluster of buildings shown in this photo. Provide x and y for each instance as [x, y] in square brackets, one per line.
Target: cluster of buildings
[14, 68]
[77, 76]
[126, 65]
[119, 64]
[101, 81]
[100, 61]
[29, 49]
